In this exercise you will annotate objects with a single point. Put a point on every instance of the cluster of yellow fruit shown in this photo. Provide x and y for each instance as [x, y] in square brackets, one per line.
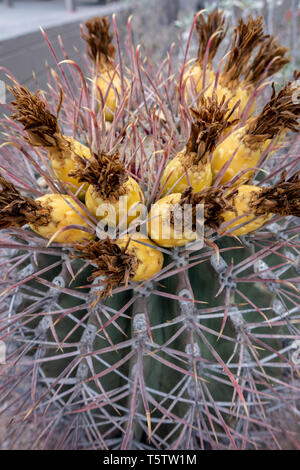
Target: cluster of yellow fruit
[99, 180]
[214, 156]
[210, 155]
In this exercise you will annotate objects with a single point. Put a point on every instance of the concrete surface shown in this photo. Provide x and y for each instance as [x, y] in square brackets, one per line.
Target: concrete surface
[27, 16]
[22, 46]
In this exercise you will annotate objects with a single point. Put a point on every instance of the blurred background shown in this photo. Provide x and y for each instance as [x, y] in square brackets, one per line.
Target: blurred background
[156, 25]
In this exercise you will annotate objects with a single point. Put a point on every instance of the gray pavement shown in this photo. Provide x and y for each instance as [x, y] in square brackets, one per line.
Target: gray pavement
[25, 16]
[23, 50]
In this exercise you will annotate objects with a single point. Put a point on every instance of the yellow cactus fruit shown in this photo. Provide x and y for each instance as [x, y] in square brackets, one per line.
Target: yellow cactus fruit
[211, 31]
[193, 82]
[46, 215]
[226, 209]
[63, 212]
[191, 166]
[112, 196]
[101, 51]
[166, 223]
[254, 206]
[63, 166]
[174, 177]
[42, 131]
[249, 142]
[242, 204]
[245, 156]
[134, 197]
[149, 259]
[111, 95]
[119, 261]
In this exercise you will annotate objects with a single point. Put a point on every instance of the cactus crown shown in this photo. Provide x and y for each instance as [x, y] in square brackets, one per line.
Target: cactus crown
[17, 210]
[112, 262]
[282, 111]
[107, 174]
[100, 48]
[206, 27]
[247, 35]
[40, 124]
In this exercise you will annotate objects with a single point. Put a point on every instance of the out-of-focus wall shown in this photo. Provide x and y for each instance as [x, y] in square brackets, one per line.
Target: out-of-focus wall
[24, 54]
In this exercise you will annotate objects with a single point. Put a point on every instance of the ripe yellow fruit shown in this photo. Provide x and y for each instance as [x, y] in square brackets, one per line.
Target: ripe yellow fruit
[132, 257]
[114, 92]
[193, 82]
[245, 156]
[248, 205]
[166, 223]
[191, 167]
[112, 196]
[249, 142]
[61, 215]
[238, 96]
[174, 177]
[243, 204]
[63, 160]
[149, 259]
[112, 210]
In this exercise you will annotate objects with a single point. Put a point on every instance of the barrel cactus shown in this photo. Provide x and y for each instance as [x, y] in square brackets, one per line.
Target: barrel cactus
[136, 341]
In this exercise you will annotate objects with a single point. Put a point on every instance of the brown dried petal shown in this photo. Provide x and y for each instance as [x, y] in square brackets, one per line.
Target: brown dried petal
[247, 35]
[269, 51]
[17, 210]
[105, 172]
[206, 27]
[210, 120]
[215, 203]
[283, 198]
[41, 126]
[281, 112]
[116, 264]
[99, 40]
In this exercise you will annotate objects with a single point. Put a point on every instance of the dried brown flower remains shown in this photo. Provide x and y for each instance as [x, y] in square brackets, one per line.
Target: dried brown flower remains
[283, 198]
[100, 48]
[247, 35]
[206, 27]
[112, 262]
[41, 125]
[210, 120]
[106, 173]
[282, 111]
[17, 210]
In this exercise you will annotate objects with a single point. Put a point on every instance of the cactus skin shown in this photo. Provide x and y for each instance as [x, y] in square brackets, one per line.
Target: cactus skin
[199, 357]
